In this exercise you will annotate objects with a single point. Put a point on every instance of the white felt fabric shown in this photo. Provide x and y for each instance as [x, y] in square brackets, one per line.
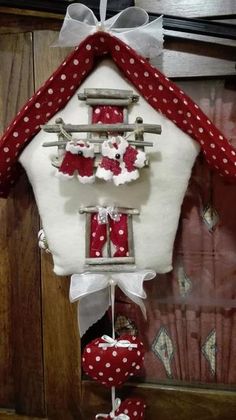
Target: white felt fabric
[158, 193]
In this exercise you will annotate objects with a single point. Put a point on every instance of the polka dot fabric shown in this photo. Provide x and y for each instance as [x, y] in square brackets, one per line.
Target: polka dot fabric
[107, 114]
[98, 237]
[132, 407]
[163, 95]
[118, 237]
[112, 366]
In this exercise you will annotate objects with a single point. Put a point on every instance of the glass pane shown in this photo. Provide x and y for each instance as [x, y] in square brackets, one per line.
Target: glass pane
[190, 334]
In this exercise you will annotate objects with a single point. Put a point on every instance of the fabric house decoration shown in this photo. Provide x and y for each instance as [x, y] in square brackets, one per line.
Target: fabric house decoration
[108, 144]
[104, 61]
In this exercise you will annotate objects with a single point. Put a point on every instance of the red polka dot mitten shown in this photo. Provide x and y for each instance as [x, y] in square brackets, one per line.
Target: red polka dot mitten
[111, 362]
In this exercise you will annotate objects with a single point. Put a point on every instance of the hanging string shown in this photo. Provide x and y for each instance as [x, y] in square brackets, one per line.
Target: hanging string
[112, 299]
[65, 134]
[103, 11]
[137, 131]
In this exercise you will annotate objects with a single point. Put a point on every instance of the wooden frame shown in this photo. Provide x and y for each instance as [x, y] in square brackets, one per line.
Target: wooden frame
[100, 128]
[95, 97]
[109, 260]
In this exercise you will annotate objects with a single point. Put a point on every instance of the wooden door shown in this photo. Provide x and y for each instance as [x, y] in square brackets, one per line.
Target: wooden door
[39, 344]
[39, 371]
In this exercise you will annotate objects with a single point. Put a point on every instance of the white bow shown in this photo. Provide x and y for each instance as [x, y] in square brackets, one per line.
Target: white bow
[131, 25]
[111, 342]
[104, 212]
[121, 416]
[93, 292]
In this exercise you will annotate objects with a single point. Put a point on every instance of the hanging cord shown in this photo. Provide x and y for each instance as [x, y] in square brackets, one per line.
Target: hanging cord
[115, 401]
[112, 298]
[69, 137]
[137, 131]
[65, 134]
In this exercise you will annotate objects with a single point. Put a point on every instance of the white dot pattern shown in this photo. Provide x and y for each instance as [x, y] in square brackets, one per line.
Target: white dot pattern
[132, 407]
[98, 362]
[144, 76]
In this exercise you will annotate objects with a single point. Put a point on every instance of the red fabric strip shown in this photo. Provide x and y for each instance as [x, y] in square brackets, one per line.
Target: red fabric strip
[118, 230]
[98, 237]
[119, 236]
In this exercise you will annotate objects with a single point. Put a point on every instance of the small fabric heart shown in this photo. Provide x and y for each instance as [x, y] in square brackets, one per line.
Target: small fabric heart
[129, 409]
[133, 408]
[111, 362]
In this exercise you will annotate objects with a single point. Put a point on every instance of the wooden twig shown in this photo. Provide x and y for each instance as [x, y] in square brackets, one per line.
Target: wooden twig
[87, 235]
[129, 268]
[108, 240]
[123, 210]
[130, 236]
[94, 140]
[125, 116]
[90, 119]
[100, 128]
[112, 260]
[108, 94]
[110, 102]
[139, 133]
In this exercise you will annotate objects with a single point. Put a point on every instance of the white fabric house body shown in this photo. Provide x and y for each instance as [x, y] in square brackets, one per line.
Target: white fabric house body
[157, 194]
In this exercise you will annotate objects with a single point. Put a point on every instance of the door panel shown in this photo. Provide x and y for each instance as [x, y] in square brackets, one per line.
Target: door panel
[21, 361]
[61, 341]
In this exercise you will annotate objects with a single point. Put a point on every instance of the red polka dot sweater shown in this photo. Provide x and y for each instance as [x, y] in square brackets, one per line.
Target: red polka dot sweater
[162, 94]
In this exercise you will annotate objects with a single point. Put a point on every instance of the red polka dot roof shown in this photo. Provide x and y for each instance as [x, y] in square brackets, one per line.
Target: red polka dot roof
[162, 94]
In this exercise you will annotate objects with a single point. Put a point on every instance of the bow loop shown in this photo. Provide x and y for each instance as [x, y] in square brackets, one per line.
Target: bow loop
[79, 12]
[130, 18]
[92, 289]
[111, 342]
[112, 414]
[130, 25]
[105, 212]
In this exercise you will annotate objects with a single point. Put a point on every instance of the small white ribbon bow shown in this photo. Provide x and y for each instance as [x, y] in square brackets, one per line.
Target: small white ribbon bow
[92, 290]
[104, 212]
[111, 342]
[131, 25]
[120, 416]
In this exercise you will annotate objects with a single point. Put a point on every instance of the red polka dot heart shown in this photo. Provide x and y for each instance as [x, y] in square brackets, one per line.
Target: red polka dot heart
[111, 362]
[129, 409]
[132, 407]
